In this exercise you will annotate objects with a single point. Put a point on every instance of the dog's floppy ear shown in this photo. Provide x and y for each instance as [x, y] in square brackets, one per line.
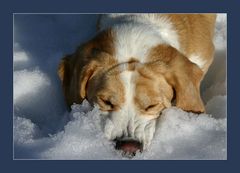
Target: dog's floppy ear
[74, 76]
[68, 78]
[64, 67]
[185, 77]
[88, 71]
[187, 89]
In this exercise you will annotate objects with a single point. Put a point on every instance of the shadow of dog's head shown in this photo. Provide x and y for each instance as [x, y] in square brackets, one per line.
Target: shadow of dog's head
[130, 94]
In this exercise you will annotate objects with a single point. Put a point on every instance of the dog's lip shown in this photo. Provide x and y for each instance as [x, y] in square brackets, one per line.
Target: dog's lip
[120, 143]
[128, 146]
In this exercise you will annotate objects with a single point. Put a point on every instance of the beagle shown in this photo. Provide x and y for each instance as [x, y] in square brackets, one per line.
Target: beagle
[134, 68]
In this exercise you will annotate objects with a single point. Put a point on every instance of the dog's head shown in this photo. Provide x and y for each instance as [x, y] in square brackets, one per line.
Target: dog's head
[131, 94]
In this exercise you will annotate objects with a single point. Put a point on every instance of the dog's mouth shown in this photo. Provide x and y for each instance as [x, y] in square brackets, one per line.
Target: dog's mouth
[129, 147]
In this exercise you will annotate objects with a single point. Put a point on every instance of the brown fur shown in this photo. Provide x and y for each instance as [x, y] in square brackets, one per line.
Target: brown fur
[180, 73]
[153, 93]
[195, 33]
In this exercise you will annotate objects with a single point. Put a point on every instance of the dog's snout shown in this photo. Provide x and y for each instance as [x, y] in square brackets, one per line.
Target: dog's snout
[129, 146]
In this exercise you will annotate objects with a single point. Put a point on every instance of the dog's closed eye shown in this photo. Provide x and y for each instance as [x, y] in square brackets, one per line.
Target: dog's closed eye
[106, 104]
[152, 106]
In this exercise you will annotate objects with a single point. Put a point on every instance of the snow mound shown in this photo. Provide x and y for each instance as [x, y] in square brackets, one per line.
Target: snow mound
[179, 135]
[28, 83]
[24, 130]
[182, 135]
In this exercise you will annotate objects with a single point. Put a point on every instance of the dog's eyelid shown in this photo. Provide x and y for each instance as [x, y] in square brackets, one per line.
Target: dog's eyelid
[151, 106]
[107, 102]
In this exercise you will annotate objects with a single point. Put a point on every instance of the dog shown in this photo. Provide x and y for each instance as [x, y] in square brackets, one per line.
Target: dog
[136, 66]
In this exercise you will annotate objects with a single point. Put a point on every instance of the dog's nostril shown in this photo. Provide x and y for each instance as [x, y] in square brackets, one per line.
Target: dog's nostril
[129, 146]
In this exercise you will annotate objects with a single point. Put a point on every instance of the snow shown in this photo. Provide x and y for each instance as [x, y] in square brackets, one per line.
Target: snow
[43, 129]
[34, 82]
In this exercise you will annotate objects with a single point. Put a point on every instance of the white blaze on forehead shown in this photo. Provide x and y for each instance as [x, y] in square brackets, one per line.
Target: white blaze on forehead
[127, 78]
[121, 123]
[139, 126]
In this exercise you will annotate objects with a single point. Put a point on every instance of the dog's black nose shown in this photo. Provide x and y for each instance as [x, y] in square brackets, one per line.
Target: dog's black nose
[129, 146]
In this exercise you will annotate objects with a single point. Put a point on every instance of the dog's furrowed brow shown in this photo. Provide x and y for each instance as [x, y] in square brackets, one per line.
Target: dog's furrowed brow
[124, 66]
